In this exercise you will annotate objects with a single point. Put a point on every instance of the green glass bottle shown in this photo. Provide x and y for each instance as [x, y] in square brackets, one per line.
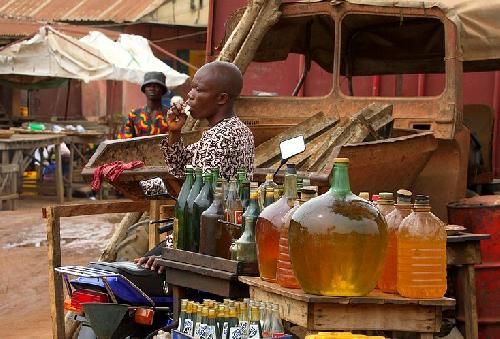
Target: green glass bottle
[246, 250]
[188, 208]
[245, 194]
[253, 209]
[215, 177]
[179, 239]
[212, 325]
[341, 233]
[233, 325]
[201, 203]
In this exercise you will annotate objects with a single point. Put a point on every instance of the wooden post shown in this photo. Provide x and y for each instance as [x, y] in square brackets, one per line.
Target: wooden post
[13, 186]
[55, 280]
[469, 301]
[154, 214]
[5, 161]
[69, 192]
[59, 175]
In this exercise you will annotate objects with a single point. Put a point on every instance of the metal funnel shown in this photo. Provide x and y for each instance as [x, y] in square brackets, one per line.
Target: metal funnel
[104, 318]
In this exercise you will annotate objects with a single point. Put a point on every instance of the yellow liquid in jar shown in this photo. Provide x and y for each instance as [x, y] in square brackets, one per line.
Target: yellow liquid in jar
[388, 278]
[337, 248]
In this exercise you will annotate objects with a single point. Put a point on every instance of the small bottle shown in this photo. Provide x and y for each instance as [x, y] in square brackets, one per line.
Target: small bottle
[385, 203]
[421, 253]
[234, 208]
[212, 331]
[221, 319]
[255, 329]
[179, 208]
[225, 323]
[233, 324]
[243, 320]
[388, 279]
[263, 314]
[197, 322]
[204, 322]
[269, 197]
[182, 315]
[233, 250]
[276, 324]
[266, 327]
[269, 183]
[246, 249]
[188, 327]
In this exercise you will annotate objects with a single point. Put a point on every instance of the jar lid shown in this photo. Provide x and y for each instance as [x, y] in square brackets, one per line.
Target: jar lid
[341, 160]
[386, 196]
[421, 199]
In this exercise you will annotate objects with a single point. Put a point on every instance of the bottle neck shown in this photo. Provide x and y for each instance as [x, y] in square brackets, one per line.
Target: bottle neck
[290, 187]
[340, 183]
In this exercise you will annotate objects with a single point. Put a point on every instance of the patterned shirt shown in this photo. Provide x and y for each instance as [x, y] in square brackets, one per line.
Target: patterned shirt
[139, 123]
[228, 146]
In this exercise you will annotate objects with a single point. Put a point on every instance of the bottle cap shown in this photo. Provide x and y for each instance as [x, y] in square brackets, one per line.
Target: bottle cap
[403, 196]
[375, 197]
[364, 195]
[341, 160]
[291, 169]
[421, 199]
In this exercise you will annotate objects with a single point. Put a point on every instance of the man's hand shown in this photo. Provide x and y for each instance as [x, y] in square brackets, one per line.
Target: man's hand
[151, 263]
[176, 118]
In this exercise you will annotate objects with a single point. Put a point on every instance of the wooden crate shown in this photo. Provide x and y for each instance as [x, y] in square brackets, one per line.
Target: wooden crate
[8, 186]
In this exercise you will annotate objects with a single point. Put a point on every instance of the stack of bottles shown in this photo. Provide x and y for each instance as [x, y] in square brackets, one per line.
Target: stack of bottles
[248, 319]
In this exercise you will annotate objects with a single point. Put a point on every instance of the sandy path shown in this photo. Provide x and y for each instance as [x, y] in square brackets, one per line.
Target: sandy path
[24, 303]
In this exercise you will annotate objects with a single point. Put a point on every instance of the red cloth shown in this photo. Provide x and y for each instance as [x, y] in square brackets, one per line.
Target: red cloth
[112, 171]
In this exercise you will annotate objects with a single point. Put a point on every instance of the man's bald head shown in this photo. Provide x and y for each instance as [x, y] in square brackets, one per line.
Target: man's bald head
[226, 77]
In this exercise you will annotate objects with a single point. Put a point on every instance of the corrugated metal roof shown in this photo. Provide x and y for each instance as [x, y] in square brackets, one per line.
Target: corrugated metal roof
[16, 29]
[117, 11]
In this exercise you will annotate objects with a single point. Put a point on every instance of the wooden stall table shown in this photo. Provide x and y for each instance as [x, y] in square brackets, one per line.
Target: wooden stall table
[376, 311]
[19, 149]
[188, 270]
[463, 250]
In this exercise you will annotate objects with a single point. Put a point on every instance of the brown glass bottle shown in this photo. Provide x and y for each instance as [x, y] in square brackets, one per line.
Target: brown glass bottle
[268, 227]
[337, 241]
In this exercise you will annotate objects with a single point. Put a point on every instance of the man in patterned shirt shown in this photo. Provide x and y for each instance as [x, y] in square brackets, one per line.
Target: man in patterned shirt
[152, 118]
[228, 143]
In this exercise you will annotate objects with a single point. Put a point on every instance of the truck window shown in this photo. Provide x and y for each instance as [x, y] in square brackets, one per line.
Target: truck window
[293, 45]
[391, 56]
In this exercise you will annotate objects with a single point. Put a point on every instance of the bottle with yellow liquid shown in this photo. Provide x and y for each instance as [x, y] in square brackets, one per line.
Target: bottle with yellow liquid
[268, 227]
[385, 203]
[388, 278]
[421, 253]
[337, 241]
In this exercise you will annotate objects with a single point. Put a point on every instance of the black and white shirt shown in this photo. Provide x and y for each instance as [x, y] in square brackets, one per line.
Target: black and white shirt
[228, 145]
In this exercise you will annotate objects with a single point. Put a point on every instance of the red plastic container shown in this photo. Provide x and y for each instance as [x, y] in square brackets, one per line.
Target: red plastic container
[482, 215]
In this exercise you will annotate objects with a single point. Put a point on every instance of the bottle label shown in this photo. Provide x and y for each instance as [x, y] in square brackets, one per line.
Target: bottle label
[244, 328]
[211, 332]
[197, 330]
[253, 332]
[235, 332]
[225, 327]
[238, 217]
[188, 327]
[203, 331]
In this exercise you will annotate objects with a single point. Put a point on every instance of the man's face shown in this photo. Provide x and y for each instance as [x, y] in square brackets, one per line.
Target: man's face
[153, 91]
[203, 97]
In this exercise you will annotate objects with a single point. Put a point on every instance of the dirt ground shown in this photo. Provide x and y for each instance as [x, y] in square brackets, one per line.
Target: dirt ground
[24, 301]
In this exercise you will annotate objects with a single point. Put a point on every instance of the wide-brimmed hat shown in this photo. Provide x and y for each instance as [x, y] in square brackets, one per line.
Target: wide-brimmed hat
[154, 78]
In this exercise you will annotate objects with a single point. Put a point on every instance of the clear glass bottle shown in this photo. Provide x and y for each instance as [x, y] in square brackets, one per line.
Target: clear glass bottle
[253, 209]
[233, 208]
[204, 322]
[182, 315]
[179, 234]
[200, 205]
[243, 320]
[421, 253]
[212, 331]
[188, 208]
[269, 198]
[188, 327]
[268, 227]
[197, 322]
[269, 183]
[254, 329]
[284, 272]
[221, 319]
[276, 324]
[385, 203]
[341, 233]
[266, 326]
[388, 278]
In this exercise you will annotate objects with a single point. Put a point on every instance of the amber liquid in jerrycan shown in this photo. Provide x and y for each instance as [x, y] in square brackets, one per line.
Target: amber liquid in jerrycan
[421, 253]
[388, 278]
[337, 241]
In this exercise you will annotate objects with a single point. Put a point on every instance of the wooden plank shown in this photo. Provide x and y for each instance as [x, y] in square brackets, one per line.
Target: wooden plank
[208, 261]
[98, 208]
[268, 152]
[374, 297]
[469, 301]
[414, 318]
[214, 285]
[202, 271]
[463, 253]
[59, 175]
[55, 280]
[291, 310]
[9, 168]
